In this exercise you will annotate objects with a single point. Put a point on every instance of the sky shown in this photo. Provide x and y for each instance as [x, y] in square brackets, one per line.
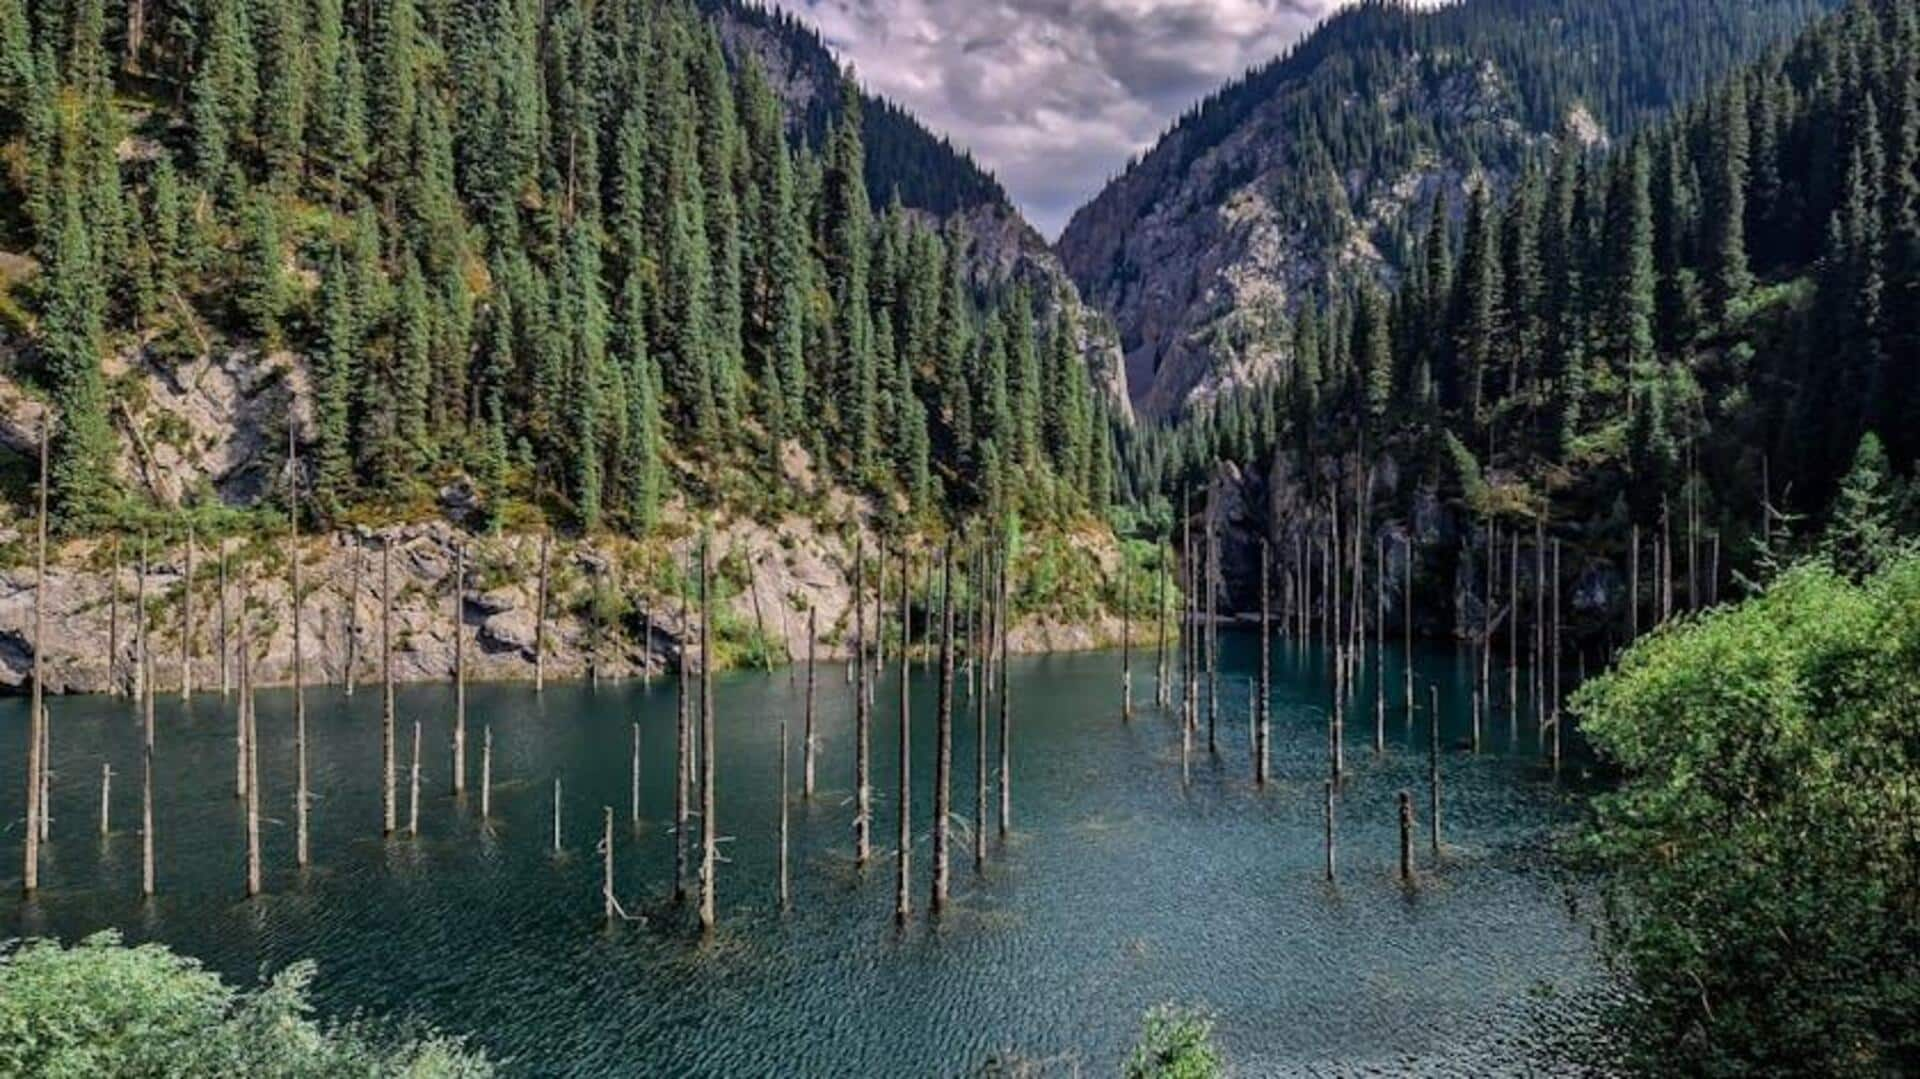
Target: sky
[1053, 96]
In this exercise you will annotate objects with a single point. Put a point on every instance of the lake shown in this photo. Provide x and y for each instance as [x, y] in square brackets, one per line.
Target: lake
[1119, 889]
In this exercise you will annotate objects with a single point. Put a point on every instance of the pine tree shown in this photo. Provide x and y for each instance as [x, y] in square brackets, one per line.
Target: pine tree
[1728, 276]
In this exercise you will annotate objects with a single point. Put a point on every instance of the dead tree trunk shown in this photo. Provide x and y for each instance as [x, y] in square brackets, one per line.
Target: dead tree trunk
[1406, 838]
[1160, 614]
[784, 805]
[353, 621]
[1262, 730]
[486, 772]
[459, 670]
[226, 653]
[985, 646]
[250, 735]
[943, 753]
[862, 716]
[1406, 619]
[389, 803]
[1380, 645]
[1126, 641]
[1212, 636]
[146, 748]
[113, 623]
[37, 764]
[556, 814]
[1006, 694]
[683, 757]
[1633, 584]
[1329, 823]
[709, 835]
[633, 805]
[808, 738]
[540, 616]
[413, 785]
[301, 798]
[1433, 770]
[607, 905]
[903, 866]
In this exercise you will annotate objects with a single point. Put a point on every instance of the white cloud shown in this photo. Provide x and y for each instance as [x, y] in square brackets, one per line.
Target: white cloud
[1054, 95]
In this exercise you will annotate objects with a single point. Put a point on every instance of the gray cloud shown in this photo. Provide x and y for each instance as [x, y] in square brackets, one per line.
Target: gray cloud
[1054, 95]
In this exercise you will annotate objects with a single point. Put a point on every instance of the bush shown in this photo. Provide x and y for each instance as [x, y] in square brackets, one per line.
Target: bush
[1763, 877]
[1175, 1043]
[103, 1009]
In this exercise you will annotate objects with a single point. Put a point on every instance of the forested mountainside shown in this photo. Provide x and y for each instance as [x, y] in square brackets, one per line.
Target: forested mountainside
[1694, 339]
[1322, 163]
[559, 253]
[925, 172]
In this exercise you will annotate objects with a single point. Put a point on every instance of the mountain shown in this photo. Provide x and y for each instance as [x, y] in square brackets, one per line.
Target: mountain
[1325, 161]
[926, 172]
[1672, 366]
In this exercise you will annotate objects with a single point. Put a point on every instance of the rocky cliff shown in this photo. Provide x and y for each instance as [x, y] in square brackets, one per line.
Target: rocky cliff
[1322, 164]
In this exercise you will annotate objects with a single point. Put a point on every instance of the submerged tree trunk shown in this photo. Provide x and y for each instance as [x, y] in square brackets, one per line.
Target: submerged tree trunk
[147, 867]
[459, 671]
[862, 717]
[301, 799]
[943, 751]
[540, 616]
[985, 645]
[486, 772]
[808, 739]
[389, 802]
[709, 833]
[1262, 730]
[251, 735]
[1006, 694]
[1160, 616]
[903, 865]
[37, 735]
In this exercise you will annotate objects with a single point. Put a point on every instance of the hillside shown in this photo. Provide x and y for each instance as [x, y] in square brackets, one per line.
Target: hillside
[1325, 161]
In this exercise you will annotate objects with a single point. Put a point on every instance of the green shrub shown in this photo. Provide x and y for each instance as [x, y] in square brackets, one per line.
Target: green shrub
[1762, 872]
[1175, 1043]
[102, 1009]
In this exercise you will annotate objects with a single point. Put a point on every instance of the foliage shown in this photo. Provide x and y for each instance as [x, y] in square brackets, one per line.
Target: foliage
[101, 1008]
[1763, 880]
[1175, 1043]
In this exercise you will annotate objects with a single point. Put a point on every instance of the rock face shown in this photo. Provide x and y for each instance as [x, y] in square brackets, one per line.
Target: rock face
[1201, 262]
[1321, 165]
[613, 608]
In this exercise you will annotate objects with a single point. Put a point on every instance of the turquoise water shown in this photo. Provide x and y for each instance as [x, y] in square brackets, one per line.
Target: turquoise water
[1120, 888]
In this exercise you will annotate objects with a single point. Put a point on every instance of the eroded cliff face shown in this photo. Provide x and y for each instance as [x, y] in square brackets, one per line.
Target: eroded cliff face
[1199, 262]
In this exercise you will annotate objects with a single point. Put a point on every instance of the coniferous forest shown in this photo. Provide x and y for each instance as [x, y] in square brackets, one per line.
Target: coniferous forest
[568, 250]
[1501, 634]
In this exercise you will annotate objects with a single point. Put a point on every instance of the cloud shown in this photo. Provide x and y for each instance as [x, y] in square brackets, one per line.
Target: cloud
[1054, 95]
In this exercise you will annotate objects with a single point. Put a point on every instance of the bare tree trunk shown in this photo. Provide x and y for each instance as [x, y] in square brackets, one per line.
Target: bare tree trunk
[1433, 770]
[1406, 838]
[389, 802]
[862, 715]
[808, 739]
[903, 865]
[353, 620]
[985, 645]
[556, 815]
[1329, 823]
[540, 616]
[486, 772]
[113, 622]
[709, 835]
[37, 735]
[251, 734]
[943, 753]
[186, 624]
[301, 798]
[1006, 695]
[1262, 731]
[633, 811]
[1212, 634]
[226, 652]
[413, 785]
[1557, 650]
[1160, 697]
[1513, 630]
[1406, 618]
[1380, 645]
[1126, 640]
[459, 669]
[146, 749]
[785, 801]
[607, 905]
[683, 758]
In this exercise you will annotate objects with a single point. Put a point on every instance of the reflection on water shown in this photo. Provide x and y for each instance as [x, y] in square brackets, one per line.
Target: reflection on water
[1118, 890]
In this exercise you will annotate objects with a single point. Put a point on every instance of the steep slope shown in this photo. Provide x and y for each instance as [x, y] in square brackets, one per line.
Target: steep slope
[1326, 159]
[924, 171]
